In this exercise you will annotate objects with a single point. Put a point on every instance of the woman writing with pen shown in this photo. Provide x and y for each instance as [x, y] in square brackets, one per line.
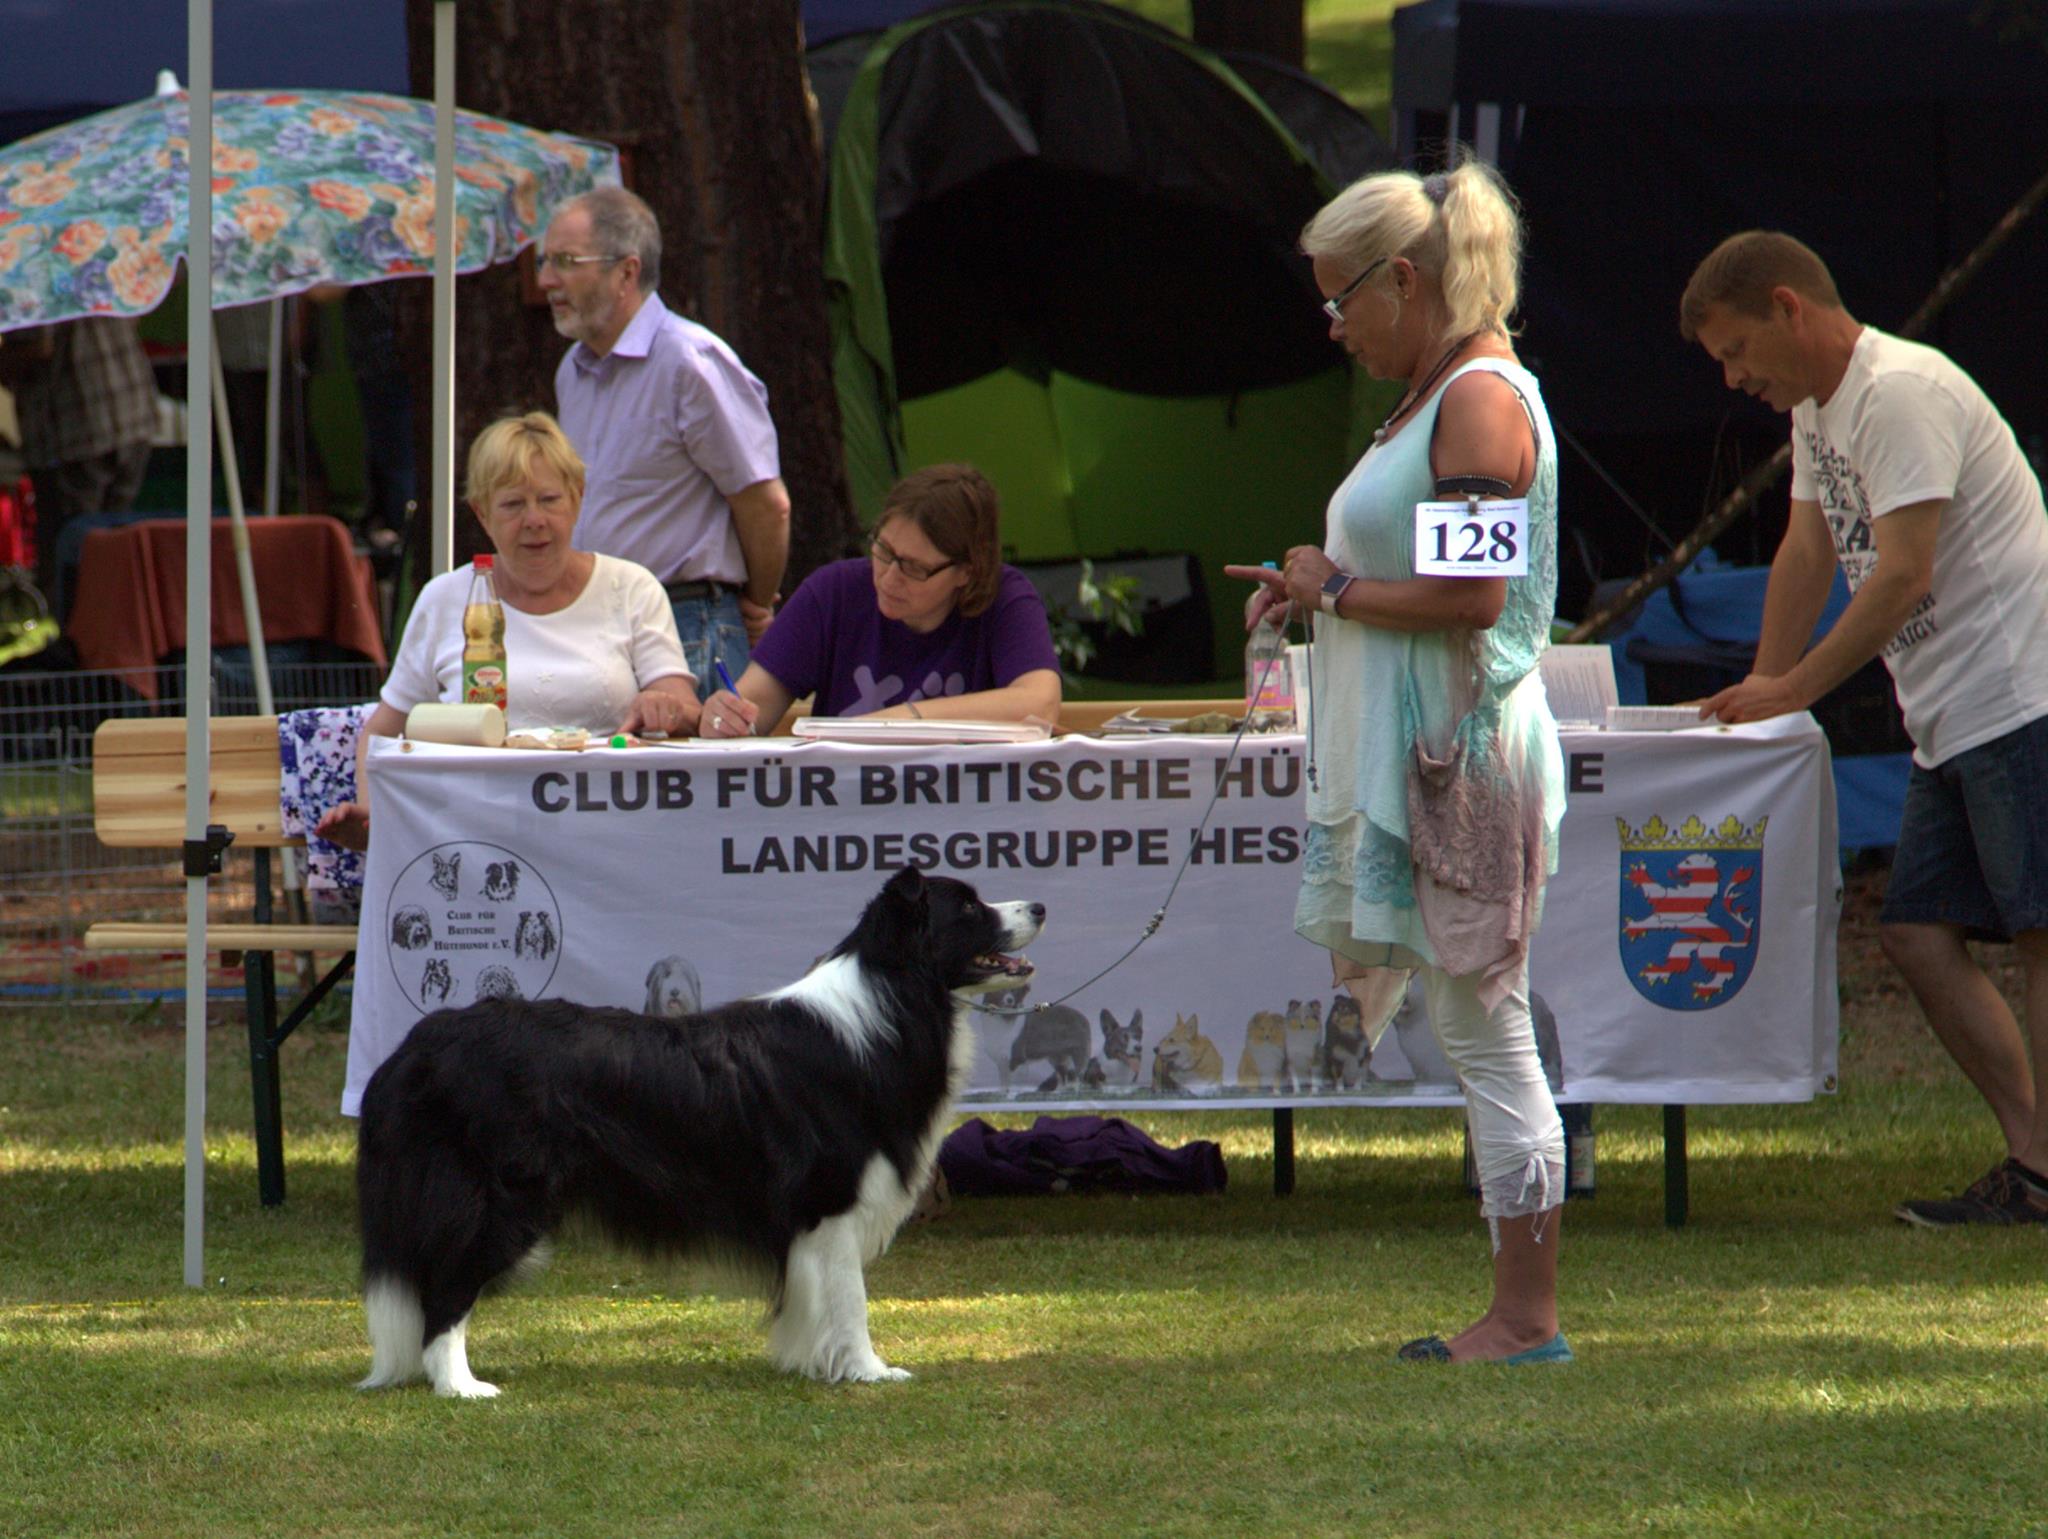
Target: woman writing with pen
[931, 624]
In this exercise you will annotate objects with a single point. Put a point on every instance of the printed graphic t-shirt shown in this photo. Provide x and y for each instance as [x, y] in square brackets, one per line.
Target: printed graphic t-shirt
[830, 640]
[1907, 426]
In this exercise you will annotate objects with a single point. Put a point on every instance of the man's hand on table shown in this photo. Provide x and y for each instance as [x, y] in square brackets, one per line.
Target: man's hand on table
[1756, 698]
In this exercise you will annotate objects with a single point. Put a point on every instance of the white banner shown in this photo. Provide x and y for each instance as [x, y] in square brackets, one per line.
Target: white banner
[1687, 954]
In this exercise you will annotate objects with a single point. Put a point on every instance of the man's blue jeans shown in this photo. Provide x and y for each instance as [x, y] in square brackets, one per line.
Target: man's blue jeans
[711, 627]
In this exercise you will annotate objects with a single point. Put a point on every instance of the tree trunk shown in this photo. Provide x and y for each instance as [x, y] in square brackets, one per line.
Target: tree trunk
[1270, 27]
[708, 102]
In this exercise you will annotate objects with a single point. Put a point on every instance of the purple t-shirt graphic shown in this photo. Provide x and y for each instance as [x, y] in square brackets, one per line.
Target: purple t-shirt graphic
[829, 640]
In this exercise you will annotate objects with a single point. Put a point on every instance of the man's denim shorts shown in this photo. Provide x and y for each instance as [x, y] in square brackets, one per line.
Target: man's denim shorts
[1973, 842]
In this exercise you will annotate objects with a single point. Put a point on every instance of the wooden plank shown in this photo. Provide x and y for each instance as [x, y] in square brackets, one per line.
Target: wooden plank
[166, 734]
[139, 781]
[123, 936]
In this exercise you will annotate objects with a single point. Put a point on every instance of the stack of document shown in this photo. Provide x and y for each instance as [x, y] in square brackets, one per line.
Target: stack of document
[1655, 718]
[1579, 681]
[870, 729]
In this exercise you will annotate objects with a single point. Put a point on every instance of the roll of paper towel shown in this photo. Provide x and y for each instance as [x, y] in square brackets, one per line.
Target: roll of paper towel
[475, 726]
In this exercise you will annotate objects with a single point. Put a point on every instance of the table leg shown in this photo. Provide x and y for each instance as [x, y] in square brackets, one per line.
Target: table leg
[1677, 1199]
[1283, 1151]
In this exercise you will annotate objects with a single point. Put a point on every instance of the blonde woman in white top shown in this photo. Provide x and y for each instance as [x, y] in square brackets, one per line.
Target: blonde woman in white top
[590, 640]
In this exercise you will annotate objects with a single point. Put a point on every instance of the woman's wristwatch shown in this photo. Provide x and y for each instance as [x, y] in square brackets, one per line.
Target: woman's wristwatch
[1333, 589]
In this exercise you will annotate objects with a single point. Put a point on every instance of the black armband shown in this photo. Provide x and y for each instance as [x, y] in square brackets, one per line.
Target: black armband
[1473, 486]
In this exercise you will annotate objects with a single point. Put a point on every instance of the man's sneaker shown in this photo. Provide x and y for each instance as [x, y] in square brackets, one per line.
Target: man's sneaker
[2002, 1195]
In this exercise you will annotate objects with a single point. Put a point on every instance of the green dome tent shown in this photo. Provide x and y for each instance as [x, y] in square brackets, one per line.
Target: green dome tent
[1060, 245]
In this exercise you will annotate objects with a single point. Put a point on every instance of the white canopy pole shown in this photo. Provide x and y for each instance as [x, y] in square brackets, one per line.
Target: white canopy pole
[443, 492]
[199, 363]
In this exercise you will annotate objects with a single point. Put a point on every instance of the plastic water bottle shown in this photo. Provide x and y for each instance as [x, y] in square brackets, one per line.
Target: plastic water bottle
[1268, 679]
[483, 639]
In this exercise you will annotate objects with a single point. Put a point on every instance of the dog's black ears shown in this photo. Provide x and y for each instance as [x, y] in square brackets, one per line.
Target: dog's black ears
[908, 886]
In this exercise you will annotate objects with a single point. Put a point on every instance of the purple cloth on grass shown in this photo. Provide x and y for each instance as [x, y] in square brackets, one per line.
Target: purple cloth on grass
[1074, 1154]
[830, 640]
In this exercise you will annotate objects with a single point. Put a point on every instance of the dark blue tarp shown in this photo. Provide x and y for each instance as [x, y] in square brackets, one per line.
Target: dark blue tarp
[66, 59]
[1890, 135]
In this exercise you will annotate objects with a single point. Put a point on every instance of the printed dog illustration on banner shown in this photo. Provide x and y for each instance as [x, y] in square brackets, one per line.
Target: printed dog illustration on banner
[1265, 1050]
[411, 929]
[447, 877]
[1549, 1048]
[1346, 1054]
[1186, 1062]
[1690, 900]
[1303, 1068]
[498, 983]
[1058, 1036]
[501, 880]
[436, 982]
[673, 988]
[1122, 1063]
[1416, 1040]
[534, 935]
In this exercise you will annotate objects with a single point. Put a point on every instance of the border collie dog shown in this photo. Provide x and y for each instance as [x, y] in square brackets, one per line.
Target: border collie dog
[791, 1132]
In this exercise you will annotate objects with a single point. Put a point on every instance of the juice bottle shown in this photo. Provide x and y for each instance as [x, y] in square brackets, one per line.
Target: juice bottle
[483, 639]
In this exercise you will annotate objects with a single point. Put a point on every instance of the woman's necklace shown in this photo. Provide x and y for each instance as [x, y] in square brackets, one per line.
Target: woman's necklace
[1417, 392]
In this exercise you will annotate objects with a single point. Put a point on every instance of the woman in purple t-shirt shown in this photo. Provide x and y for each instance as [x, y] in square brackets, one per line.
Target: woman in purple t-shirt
[930, 625]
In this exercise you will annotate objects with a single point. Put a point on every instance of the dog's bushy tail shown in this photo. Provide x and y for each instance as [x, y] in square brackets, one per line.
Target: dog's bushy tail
[391, 1308]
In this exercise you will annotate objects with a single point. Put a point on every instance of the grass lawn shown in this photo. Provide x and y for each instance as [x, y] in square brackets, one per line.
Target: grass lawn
[1793, 1362]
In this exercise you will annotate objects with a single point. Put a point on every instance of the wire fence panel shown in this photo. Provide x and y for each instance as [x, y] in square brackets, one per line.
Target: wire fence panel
[56, 878]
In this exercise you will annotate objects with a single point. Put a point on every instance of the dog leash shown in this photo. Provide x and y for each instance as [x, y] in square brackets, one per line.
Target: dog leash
[1159, 914]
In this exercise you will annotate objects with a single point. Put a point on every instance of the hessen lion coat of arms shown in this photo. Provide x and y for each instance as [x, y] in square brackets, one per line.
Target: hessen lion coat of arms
[1691, 897]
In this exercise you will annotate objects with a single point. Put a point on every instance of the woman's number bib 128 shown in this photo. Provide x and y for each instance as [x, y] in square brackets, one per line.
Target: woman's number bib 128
[1472, 539]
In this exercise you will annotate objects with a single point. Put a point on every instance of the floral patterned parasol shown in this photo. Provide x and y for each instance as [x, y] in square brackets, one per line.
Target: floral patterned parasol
[309, 187]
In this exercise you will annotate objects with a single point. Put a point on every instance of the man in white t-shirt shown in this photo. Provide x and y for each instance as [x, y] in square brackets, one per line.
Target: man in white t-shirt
[1904, 472]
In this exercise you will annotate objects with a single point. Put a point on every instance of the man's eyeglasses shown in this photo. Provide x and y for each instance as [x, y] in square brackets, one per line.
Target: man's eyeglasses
[563, 263]
[1334, 308]
[916, 571]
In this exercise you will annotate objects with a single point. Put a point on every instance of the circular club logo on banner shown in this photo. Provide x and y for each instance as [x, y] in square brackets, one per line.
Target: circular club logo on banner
[470, 921]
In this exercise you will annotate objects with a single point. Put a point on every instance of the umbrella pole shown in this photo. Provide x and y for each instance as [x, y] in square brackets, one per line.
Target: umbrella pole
[198, 617]
[273, 395]
[444, 286]
[238, 522]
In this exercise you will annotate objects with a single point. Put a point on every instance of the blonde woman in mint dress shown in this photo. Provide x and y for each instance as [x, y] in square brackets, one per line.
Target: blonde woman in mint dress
[1439, 784]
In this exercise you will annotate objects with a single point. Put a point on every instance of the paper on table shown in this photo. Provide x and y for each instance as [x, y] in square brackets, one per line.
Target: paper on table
[1658, 718]
[1580, 683]
[870, 729]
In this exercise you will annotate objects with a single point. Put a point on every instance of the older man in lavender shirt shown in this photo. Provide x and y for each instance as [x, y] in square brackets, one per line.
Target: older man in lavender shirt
[684, 476]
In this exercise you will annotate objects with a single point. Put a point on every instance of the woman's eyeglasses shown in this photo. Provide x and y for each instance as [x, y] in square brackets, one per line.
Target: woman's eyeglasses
[916, 571]
[1334, 308]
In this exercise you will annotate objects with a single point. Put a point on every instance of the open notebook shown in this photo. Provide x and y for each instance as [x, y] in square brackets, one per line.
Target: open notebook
[869, 729]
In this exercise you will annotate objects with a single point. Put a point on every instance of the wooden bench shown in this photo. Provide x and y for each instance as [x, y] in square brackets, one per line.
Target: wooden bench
[138, 796]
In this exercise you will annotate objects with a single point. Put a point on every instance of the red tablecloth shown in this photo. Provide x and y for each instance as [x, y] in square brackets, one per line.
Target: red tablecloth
[129, 611]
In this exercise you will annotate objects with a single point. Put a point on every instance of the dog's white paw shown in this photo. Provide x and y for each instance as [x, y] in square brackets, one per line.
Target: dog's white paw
[467, 1389]
[872, 1371]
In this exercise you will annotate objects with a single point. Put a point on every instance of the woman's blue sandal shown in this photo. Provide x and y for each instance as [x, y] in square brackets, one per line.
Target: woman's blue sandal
[1432, 1349]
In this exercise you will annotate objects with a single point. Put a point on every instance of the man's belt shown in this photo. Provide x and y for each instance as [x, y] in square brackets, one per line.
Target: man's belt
[697, 588]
